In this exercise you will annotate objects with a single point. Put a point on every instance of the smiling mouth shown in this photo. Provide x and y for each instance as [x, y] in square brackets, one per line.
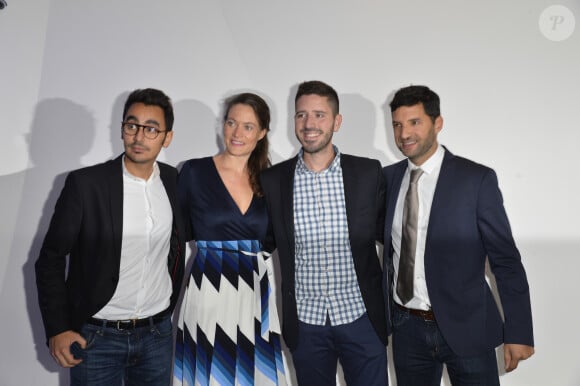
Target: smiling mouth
[407, 144]
[311, 134]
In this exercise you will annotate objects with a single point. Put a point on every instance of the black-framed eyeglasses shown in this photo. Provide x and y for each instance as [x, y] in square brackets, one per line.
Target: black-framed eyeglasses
[132, 128]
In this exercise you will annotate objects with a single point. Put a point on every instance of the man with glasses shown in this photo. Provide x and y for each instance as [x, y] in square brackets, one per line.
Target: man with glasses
[108, 317]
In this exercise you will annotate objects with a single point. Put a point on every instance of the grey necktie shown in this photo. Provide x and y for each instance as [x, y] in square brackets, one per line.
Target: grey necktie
[409, 240]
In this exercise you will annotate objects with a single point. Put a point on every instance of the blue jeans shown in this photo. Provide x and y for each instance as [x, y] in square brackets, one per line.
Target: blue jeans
[137, 357]
[419, 352]
[361, 353]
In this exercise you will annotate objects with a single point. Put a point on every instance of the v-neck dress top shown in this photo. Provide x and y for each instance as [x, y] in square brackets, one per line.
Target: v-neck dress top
[228, 328]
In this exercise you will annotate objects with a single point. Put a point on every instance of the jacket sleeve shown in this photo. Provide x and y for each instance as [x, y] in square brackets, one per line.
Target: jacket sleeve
[51, 264]
[505, 262]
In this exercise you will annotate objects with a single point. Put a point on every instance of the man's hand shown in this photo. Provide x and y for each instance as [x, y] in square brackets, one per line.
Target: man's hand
[514, 353]
[60, 348]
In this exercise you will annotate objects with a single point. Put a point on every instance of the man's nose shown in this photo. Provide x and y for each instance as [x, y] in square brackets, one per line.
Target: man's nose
[405, 131]
[140, 134]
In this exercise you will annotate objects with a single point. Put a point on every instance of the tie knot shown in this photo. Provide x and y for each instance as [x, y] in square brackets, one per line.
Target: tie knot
[415, 174]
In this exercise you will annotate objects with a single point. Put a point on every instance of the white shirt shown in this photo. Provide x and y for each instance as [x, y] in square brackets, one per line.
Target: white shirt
[144, 286]
[426, 189]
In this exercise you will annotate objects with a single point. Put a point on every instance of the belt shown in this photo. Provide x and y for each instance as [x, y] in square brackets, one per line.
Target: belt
[425, 315]
[129, 324]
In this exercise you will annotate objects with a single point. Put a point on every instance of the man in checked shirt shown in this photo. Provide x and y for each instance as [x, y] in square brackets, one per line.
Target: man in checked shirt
[326, 213]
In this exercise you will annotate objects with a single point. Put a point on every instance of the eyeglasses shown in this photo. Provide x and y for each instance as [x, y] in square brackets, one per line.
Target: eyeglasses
[132, 128]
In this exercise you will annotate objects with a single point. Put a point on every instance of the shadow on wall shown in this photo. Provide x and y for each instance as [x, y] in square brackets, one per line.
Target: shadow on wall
[393, 152]
[61, 133]
[196, 134]
[291, 108]
[359, 125]
[115, 125]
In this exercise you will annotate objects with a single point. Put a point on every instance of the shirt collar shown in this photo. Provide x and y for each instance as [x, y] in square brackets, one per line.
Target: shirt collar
[432, 163]
[153, 175]
[334, 165]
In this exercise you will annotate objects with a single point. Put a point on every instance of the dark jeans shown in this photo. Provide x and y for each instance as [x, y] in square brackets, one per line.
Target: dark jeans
[419, 352]
[361, 353]
[139, 357]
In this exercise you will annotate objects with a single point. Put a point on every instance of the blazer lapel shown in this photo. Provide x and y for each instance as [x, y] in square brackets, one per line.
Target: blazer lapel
[350, 185]
[393, 186]
[170, 189]
[169, 181]
[287, 193]
[444, 183]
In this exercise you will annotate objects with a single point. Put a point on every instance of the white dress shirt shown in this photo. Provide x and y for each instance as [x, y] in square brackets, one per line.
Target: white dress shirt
[144, 287]
[426, 189]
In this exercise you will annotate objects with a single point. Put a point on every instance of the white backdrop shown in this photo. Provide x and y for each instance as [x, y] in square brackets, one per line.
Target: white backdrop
[510, 99]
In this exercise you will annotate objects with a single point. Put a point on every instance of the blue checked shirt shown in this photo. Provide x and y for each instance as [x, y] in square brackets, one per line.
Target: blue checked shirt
[326, 282]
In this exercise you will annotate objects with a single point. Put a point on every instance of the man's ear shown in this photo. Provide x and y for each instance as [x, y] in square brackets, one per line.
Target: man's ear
[168, 138]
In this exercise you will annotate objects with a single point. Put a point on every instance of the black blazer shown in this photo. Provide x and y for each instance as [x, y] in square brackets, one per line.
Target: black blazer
[468, 223]
[87, 225]
[364, 191]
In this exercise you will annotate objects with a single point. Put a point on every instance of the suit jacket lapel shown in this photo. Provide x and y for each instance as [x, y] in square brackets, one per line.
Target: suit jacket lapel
[287, 190]
[393, 186]
[350, 185]
[170, 190]
[175, 254]
[444, 183]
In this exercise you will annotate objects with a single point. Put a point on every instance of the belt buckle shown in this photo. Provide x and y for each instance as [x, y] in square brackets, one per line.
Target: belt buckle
[131, 322]
[427, 315]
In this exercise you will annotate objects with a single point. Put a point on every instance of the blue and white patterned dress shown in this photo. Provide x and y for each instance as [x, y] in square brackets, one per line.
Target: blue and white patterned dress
[228, 330]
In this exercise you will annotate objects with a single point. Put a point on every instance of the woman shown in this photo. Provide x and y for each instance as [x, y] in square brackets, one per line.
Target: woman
[229, 331]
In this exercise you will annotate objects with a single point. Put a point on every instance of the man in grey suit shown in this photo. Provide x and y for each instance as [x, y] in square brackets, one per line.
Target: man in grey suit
[109, 317]
[326, 211]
